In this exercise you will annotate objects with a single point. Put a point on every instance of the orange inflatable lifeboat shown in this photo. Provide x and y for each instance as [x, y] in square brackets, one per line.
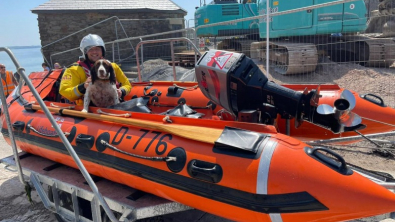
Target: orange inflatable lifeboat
[243, 171]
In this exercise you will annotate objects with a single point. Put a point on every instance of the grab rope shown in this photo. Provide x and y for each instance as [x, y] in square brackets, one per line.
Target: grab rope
[112, 114]
[43, 134]
[62, 107]
[186, 88]
[388, 124]
[378, 145]
[167, 159]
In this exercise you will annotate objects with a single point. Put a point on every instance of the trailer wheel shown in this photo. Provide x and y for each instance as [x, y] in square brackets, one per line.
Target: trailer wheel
[65, 202]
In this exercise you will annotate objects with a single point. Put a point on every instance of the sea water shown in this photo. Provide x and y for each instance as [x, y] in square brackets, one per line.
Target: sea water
[28, 57]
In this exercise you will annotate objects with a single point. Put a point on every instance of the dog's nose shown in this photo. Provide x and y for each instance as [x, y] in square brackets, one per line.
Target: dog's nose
[102, 72]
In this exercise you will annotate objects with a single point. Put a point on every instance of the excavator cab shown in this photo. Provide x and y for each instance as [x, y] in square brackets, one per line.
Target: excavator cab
[348, 17]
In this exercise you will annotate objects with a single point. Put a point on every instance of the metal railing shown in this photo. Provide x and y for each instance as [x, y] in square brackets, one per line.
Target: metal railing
[129, 39]
[171, 41]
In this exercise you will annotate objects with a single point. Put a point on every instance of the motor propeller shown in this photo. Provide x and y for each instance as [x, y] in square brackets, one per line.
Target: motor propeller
[342, 110]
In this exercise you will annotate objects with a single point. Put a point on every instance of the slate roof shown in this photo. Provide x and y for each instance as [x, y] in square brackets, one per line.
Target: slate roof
[107, 5]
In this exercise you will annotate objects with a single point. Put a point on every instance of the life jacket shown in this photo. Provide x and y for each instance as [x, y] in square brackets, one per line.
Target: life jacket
[87, 69]
[8, 85]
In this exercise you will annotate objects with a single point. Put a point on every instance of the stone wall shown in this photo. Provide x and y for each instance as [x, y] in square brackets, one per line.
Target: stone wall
[61, 32]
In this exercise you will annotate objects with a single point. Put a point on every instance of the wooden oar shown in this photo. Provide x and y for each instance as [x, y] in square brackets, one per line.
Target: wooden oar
[197, 133]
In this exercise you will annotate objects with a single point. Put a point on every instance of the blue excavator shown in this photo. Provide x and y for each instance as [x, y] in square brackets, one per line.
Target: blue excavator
[299, 39]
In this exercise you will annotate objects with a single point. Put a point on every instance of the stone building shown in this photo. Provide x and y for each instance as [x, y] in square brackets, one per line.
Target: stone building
[63, 23]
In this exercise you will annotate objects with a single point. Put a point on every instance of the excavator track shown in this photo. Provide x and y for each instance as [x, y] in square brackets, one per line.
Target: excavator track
[238, 45]
[372, 51]
[287, 58]
[292, 57]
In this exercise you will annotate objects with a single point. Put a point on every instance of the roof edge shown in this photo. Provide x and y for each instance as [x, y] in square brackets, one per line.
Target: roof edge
[106, 11]
[186, 12]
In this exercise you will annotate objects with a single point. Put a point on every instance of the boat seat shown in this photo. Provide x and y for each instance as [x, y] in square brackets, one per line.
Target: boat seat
[184, 111]
[134, 105]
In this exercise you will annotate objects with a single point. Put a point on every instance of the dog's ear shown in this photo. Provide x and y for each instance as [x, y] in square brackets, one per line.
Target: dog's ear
[93, 74]
[112, 74]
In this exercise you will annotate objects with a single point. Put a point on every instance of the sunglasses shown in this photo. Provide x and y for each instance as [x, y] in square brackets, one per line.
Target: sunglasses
[2, 67]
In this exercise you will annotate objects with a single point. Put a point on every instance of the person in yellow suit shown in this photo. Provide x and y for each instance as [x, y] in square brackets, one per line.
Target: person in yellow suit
[9, 82]
[76, 78]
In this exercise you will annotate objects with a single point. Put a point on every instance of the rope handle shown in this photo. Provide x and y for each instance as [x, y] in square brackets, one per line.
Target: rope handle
[43, 134]
[186, 88]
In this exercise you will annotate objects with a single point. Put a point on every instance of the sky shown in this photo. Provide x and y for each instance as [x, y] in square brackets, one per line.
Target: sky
[19, 26]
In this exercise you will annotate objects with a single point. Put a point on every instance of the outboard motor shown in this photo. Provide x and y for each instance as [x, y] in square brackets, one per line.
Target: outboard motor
[235, 82]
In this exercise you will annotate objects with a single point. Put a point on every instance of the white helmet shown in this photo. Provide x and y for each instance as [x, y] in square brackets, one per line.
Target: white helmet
[91, 41]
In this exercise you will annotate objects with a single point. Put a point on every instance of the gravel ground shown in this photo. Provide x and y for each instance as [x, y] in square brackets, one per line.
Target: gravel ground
[15, 207]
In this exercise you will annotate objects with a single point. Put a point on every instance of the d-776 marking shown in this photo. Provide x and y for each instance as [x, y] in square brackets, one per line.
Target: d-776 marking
[160, 147]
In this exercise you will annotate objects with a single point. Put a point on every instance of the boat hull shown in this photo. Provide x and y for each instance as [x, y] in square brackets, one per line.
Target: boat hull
[293, 186]
[156, 177]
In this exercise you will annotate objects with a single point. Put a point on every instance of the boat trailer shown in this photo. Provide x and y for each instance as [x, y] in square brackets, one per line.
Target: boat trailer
[64, 191]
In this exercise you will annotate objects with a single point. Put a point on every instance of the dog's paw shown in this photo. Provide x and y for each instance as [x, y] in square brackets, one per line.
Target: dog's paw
[84, 111]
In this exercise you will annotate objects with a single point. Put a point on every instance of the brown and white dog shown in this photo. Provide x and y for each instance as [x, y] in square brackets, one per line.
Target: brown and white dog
[102, 91]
